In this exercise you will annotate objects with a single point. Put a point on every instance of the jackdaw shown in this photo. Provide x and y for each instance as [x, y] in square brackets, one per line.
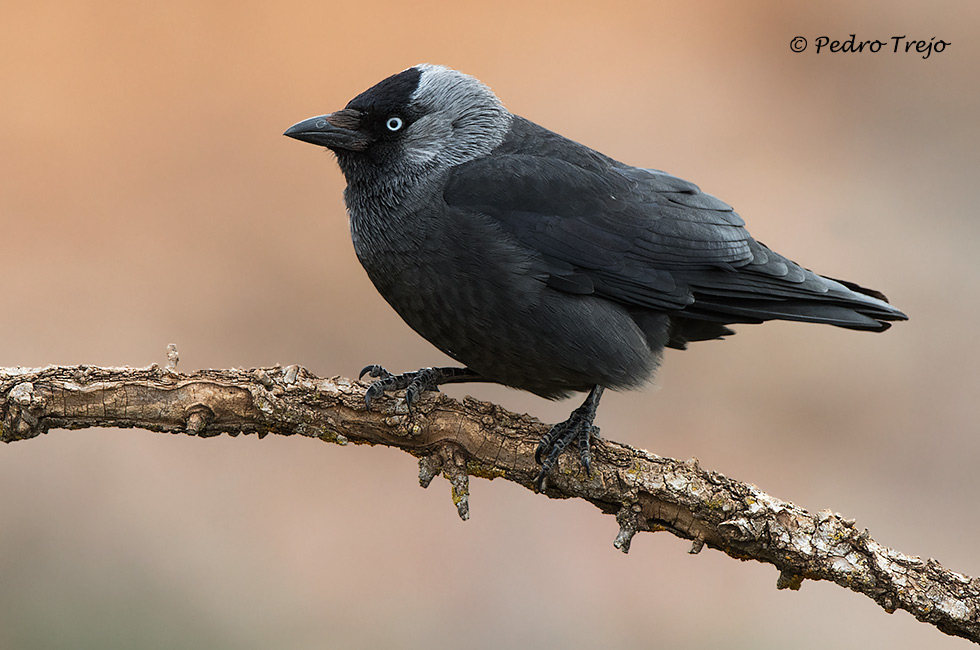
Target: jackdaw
[540, 263]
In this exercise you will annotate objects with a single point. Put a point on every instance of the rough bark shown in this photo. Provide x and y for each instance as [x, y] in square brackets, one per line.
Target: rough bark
[471, 438]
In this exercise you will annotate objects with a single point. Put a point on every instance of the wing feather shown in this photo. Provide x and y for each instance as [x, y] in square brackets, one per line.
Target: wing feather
[645, 238]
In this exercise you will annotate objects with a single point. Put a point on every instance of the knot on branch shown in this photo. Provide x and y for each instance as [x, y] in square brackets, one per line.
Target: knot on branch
[263, 378]
[290, 374]
[628, 520]
[742, 529]
[22, 420]
[789, 579]
[173, 357]
[448, 459]
[697, 544]
[199, 416]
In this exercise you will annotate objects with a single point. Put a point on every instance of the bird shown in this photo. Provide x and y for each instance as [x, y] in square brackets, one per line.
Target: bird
[544, 265]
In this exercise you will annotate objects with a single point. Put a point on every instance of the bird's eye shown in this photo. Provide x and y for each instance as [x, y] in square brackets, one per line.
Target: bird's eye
[394, 123]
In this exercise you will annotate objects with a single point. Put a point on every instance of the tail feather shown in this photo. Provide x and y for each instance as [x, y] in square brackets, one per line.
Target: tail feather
[857, 288]
[818, 300]
[856, 317]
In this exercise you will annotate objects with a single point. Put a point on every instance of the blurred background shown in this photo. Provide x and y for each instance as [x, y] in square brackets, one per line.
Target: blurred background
[147, 196]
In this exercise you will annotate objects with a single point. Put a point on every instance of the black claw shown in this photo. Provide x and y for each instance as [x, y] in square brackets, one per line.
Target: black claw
[373, 391]
[584, 454]
[539, 481]
[413, 392]
[374, 370]
[547, 440]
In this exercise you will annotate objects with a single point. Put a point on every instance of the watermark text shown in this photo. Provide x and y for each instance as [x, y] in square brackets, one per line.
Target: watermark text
[893, 45]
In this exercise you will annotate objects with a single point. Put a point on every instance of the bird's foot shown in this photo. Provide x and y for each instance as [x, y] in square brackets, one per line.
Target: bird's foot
[578, 427]
[414, 383]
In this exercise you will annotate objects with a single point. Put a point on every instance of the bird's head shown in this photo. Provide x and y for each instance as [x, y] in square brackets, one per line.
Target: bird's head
[425, 118]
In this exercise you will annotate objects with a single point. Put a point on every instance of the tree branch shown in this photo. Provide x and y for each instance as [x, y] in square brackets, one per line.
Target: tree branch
[472, 438]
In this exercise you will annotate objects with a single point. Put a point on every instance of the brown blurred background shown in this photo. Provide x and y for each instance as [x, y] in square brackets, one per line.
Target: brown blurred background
[147, 196]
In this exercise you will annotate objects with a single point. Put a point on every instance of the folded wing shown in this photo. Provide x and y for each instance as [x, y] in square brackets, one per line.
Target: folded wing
[647, 239]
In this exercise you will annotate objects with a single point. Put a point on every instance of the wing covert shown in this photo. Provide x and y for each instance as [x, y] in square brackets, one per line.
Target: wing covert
[631, 232]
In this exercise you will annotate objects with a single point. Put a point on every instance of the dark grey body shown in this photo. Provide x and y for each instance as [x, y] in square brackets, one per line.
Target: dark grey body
[540, 263]
[468, 278]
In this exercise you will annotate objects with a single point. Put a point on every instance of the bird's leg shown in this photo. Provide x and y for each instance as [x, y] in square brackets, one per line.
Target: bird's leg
[414, 383]
[578, 426]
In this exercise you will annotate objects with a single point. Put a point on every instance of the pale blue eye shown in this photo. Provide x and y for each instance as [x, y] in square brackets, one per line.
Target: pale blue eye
[394, 123]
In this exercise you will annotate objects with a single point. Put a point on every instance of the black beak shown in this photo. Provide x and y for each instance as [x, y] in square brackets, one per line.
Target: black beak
[340, 130]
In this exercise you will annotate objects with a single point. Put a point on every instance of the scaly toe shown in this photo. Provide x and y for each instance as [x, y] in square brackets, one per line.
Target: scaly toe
[374, 371]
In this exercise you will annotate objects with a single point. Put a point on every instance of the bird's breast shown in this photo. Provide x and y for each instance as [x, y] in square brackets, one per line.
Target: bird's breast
[468, 288]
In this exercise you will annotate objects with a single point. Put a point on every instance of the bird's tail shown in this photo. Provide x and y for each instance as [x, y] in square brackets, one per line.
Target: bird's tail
[844, 304]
